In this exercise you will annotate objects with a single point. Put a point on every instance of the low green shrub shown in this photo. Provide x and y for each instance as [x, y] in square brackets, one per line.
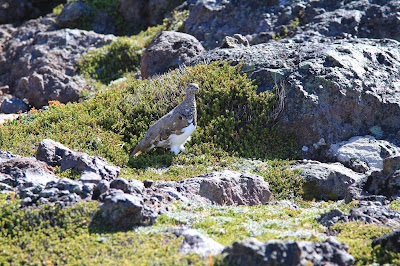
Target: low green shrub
[51, 235]
[233, 122]
[358, 236]
[231, 116]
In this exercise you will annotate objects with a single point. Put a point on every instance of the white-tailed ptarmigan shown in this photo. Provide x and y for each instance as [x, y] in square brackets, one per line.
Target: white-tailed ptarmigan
[174, 129]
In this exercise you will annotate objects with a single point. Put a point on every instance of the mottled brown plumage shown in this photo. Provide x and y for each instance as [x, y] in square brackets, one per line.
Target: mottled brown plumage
[172, 130]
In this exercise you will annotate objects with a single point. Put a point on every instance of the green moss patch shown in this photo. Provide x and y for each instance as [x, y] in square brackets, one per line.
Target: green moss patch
[359, 236]
[227, 224]
[57, 236]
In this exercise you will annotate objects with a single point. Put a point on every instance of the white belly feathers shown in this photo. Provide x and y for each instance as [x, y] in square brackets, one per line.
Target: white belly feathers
[176, 142]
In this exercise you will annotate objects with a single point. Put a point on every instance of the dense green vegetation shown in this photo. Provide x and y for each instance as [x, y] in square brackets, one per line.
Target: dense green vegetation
[233, 122]
[57, 236]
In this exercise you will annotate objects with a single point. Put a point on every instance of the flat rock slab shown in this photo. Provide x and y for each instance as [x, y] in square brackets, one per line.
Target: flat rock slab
[363, 153]
[222, 188]
[274, 252]
[367, 212]
[25, 172]
[321, 21]
[6, 117]
[195, 242]
[93, 168]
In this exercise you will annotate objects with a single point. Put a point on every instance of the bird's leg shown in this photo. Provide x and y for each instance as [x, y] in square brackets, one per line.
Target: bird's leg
[175, 150]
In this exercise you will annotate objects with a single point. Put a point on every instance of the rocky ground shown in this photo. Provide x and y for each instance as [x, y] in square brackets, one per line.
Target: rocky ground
[335, 68]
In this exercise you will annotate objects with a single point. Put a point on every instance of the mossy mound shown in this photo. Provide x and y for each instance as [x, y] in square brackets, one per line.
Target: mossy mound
[233, 121]
[231, 115]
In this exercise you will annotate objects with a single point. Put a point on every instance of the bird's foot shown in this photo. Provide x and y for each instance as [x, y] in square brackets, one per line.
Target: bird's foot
[175, 150]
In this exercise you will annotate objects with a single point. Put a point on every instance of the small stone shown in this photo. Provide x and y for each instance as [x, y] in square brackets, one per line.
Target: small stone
[90, 177]
[64, 192]
[148, 183]
[236, 41]
[4, 187]
[88, 187]
[124, 211]
[26, 193]
[13, 106]
[26, 201]
[48, 193]
[136, 186]
[37, 189]
[43, 201]
[71, 198]
[101, 188]
[122, 184]
[60, 204]
[70, 185]
[158, 196]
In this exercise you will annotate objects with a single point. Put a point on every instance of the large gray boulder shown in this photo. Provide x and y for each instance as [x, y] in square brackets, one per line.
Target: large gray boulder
[326, 181]
[389, 242]
[73, 14]
[362, 153]
[333, 90]
[222, 188]
[275, 252]
[39, 63]
[168, 51]
[79, 14]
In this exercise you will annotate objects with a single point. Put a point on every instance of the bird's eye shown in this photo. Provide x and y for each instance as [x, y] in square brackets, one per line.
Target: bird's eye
[180, 117]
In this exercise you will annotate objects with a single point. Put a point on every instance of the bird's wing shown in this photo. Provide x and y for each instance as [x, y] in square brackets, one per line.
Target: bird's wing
[161, 130]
